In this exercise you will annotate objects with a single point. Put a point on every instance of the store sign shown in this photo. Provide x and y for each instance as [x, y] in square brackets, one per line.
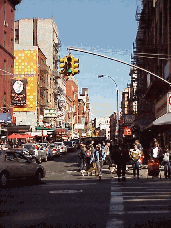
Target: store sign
[18, 92]
[79, 126]
[129, 119]
[127, 131]
[50, 113]
[169, 102]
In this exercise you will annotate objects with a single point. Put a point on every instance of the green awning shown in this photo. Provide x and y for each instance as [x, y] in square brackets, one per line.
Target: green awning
[44, 128]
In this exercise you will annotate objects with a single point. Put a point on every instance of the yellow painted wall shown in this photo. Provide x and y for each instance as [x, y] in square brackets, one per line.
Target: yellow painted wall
[25, 66]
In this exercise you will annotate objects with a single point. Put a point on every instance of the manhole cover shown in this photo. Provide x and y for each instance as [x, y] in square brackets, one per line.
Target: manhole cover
[65, 191]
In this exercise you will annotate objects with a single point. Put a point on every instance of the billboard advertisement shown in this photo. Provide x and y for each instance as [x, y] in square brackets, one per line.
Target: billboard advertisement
[18, 92]
[25, 67]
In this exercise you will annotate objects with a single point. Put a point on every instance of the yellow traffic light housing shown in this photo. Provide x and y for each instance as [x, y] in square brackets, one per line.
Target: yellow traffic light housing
[69, 64]
[63, 65]
[75, 66]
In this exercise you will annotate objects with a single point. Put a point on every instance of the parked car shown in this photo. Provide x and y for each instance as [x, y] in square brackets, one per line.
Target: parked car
[53, 150]
[61, 147]
[5, 146]
[14, 165]
[37, 151]
[70, 146]
[23, 151]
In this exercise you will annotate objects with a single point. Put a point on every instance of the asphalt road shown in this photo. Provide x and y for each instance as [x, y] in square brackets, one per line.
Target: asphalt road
[66, 199]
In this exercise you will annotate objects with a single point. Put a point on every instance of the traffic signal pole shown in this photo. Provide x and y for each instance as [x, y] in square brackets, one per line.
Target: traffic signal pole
[117, 60]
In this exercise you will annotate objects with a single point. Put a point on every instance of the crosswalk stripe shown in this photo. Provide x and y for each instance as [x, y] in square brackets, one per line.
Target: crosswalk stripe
[121, 193]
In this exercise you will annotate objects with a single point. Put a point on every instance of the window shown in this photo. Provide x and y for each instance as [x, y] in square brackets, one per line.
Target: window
[4, 66]
[4, 9]
[12, 26]
[20, 158]
[10, 157]
[5, 35]
[12, 46]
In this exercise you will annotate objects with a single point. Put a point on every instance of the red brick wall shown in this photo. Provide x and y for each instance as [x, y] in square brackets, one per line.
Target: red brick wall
[6, 52]
[72, 93]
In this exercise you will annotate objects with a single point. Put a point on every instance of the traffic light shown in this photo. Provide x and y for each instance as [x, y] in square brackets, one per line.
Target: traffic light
[63, 65]
[75, 66]
[69, 64]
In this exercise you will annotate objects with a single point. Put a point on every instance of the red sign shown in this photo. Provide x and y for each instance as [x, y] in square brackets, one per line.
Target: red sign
[61, 131]
[127, 131]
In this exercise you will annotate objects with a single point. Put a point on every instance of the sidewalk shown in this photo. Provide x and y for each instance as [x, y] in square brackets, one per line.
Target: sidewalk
[143, 172]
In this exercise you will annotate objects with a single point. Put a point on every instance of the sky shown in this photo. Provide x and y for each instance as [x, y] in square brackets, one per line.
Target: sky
[106, 27]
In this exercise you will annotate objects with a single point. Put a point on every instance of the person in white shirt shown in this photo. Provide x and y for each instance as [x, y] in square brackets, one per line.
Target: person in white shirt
[166, 162]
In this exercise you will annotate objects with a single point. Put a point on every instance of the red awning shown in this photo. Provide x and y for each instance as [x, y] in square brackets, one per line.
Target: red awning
[19, 136]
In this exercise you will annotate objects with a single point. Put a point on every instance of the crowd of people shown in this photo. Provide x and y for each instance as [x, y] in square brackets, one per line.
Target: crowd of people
[93, 157]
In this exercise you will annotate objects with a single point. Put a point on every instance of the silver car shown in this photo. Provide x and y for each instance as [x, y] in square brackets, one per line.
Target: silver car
[53, 150]
[14, 165]
[36, 150]
[61, 147]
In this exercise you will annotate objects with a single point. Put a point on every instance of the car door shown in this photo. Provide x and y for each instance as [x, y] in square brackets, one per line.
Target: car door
[25, 167]
[12, 165]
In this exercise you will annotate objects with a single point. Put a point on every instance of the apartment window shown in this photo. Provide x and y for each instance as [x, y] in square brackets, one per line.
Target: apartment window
[12, 19]
[4, 9]
[12, 46]
[4, 66]
[16, 32]
[5, 36]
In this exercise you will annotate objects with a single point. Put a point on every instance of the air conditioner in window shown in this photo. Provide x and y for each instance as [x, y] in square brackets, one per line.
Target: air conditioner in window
[6, 24]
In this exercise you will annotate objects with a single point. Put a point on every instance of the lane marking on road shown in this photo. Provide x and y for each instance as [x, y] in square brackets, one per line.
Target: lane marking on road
[116, 207]
[147, 212]
[140, 212]
[72, 171]
[54, 185]
[65, 191]
[125, 187]
[139, 199]
[146, 193]
[114, 223]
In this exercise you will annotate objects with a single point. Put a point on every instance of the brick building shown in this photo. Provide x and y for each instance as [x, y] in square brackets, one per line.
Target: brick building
[152, 52]
[7, 11]
[72, 103]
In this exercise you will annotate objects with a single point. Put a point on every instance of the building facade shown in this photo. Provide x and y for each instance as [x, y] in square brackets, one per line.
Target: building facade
[7, 11]
[152, 52]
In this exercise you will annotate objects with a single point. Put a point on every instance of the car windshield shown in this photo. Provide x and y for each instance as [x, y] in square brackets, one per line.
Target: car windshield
[29, 146]
[68, 143]
[58, 143]
[52, 145]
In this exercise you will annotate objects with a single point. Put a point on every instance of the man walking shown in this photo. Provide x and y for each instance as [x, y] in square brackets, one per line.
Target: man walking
[108, 155]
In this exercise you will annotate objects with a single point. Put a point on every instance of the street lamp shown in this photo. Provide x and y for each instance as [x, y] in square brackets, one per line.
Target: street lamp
[117, 114]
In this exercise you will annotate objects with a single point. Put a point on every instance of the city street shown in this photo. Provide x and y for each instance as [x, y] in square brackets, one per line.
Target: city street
[67, 199]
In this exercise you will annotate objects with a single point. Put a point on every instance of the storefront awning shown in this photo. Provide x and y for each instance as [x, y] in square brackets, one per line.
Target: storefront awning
[163, 120]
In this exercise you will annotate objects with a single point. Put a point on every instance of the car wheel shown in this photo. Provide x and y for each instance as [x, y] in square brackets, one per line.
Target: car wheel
[37, 177]
[4, 179]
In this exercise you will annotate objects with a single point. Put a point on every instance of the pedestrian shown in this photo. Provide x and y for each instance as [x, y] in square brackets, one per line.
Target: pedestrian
[121, 157]
[166, 162]
[88, 158]
[82, 155]
[156, 152]
[135, 155]
[108, 156]
[97, 158]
